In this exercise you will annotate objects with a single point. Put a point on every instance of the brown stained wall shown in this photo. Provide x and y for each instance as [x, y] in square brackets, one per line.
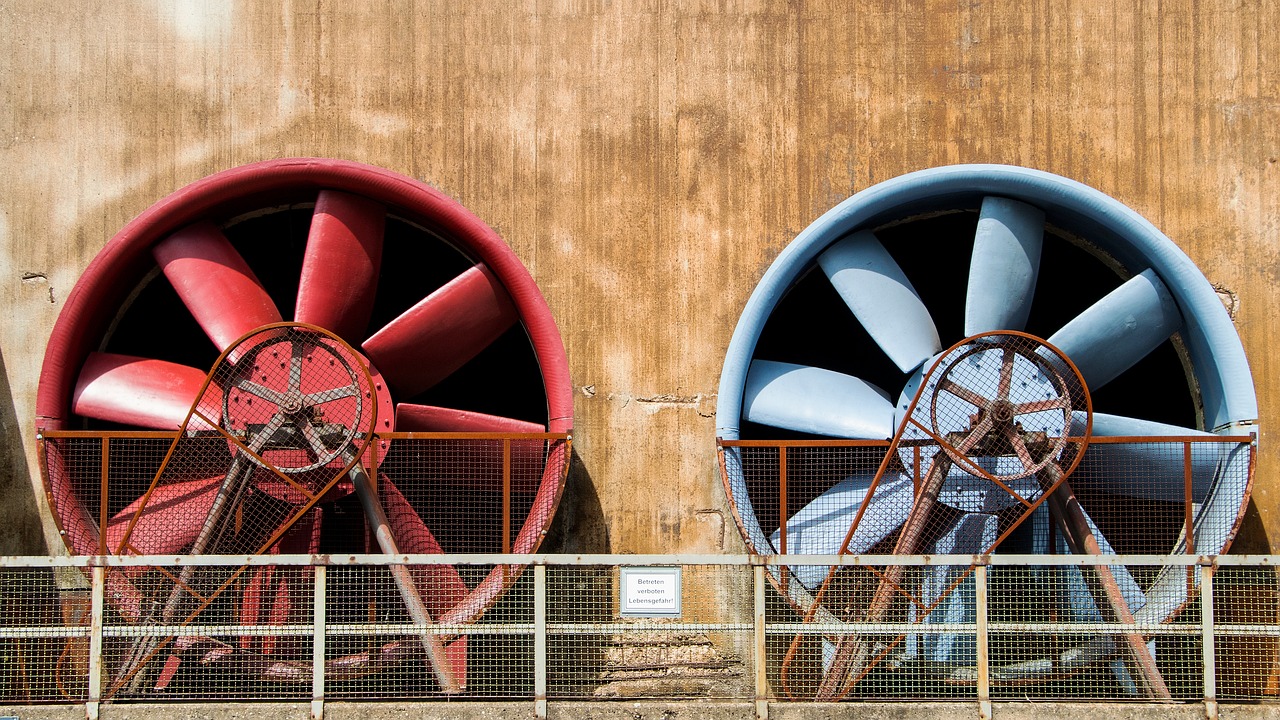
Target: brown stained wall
[647, 161]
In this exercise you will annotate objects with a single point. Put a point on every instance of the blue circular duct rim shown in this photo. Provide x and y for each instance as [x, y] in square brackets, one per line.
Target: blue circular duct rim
[1217, 356]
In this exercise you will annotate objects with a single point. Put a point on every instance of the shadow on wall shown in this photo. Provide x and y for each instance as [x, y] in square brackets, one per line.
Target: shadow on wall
[579, 524]
[21, 532]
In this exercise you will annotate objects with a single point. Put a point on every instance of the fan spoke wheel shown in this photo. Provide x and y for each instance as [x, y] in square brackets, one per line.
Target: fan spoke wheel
[1006, 396]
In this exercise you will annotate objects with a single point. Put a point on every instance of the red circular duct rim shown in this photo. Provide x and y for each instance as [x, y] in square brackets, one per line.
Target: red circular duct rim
[68, 344]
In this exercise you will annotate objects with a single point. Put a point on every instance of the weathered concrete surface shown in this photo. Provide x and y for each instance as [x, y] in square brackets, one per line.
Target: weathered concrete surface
[648, 711]
[646, 160]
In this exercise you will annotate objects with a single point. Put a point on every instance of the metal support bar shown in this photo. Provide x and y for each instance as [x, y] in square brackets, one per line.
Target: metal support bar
[1210, 672]
[506, 495]
[317, 642]
[759, 655]
[576, 560]
[96, 610]
[540, 641]
[983, 647]
[783, 515]
[103, 503]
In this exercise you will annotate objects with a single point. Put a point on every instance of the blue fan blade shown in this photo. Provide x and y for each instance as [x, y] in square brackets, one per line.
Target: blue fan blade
[881, 297]
[819, 527]
[1002, 273]
[972, 533]
[1120, 329]
[814, 400]
[1149, 470]
[1082, 607]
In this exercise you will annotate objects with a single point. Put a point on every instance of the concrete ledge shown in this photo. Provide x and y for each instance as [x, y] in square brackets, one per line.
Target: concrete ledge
[634, 710]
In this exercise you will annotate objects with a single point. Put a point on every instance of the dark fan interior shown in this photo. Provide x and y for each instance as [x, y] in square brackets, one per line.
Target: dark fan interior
[812, 326]
[502, 380]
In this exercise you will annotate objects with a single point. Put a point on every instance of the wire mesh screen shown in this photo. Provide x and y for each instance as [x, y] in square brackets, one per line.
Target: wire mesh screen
[594, 651]
[920, 644]
[1054, 635]
[1037, 631]
[162, 493]
[1247, 632]
[248, 637]
[472, 494]
[469, 497]
[991, 458]
[44, 642]
[374, 650]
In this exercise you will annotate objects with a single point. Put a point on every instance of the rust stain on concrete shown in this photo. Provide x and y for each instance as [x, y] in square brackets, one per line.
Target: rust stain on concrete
[646, 160]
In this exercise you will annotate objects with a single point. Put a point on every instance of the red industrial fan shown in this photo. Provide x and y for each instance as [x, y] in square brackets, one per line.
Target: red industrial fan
[408, 303]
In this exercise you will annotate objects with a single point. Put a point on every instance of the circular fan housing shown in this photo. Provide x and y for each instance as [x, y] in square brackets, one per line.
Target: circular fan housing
[837, 337]
[451, 327]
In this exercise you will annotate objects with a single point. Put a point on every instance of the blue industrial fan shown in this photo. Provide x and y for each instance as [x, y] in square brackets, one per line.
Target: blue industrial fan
[865, 250]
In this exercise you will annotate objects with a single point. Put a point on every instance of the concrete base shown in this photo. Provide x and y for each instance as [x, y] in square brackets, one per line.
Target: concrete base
[630, 710]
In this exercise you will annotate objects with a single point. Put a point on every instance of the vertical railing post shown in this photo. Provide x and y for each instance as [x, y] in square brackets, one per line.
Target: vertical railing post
[319, 621]
[1210, 671]
[1189, 513]
[782, 513]
[97, 605]
[104, 487]
[759, 646]
[982, 641]
[540, 640]
[506, 495]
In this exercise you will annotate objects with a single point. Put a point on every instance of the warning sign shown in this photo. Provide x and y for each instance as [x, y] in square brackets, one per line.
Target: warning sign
[650, 592]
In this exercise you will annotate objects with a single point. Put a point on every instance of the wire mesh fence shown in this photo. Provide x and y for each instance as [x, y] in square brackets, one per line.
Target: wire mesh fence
[324, 627]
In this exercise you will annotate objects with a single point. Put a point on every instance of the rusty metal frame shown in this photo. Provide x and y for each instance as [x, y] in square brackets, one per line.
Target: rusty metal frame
[367, 457]
[1206, 629]
[1125, 626]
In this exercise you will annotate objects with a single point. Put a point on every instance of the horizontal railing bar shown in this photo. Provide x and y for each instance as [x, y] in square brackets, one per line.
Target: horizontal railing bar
[831, 442]
[206, 630]
[853, 628]
[395, 630]
[622, 628]
[1022, 560]
[1242, 629]
[19, 632]
[1095, 439]
[471, 436]
[171, 434]
[109, 434]
[578, 560]
[1096, 628]
[406, 629]
[528, 628]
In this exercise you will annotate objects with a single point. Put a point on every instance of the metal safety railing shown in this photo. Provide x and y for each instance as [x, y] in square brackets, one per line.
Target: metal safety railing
[569, 628]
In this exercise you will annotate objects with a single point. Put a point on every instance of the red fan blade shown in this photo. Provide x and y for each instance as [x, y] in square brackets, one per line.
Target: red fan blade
[477, 463]
[215, 283]
[171, 518]
[340, 270]
[440, 586]
[282, 589]
[260, 582]
[137, 391]
[442, 332]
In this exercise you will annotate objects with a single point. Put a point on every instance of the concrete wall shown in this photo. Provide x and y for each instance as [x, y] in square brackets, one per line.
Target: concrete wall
[646, 160]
